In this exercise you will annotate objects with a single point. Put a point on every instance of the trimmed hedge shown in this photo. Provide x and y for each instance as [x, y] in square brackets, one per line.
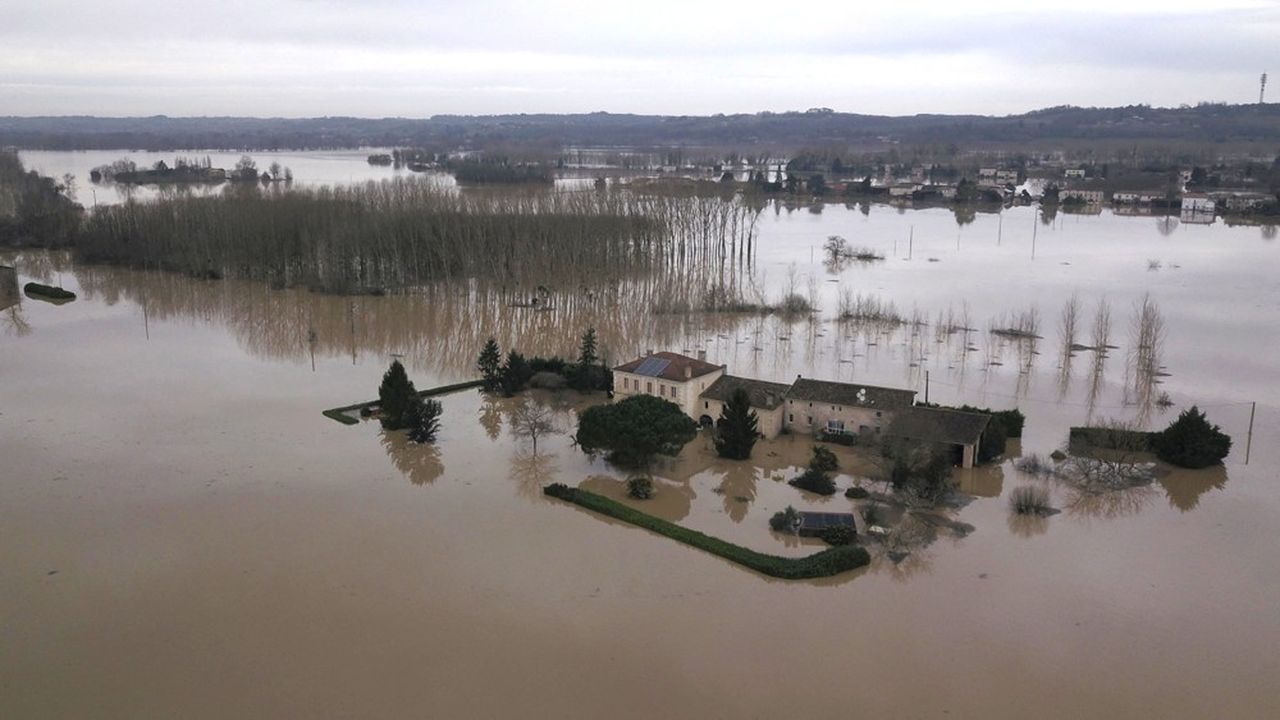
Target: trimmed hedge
[832, 561]
[340, 413]
[48, 291]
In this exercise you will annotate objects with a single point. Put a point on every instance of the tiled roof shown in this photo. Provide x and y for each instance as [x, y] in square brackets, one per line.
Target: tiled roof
[838, 393]
[763, 395]
[668, 366]
[940, 425]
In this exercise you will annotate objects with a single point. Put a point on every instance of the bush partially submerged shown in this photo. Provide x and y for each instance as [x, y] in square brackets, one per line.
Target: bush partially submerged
[815, 481]
[640, 487]
[785, 521]
[856, 493]
[1191, 441]
[838, 535]
[1030, 500]
[823, 460]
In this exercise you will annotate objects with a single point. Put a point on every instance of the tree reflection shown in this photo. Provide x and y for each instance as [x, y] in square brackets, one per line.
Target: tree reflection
[737, 489]
[1185, 487]
[532, 471]
[1166, 225]
[1026, 526]
[419, 462]
[1108, 504]
[491, 416]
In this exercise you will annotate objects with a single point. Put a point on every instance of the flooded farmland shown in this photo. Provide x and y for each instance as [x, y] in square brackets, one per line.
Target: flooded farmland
[178, 522]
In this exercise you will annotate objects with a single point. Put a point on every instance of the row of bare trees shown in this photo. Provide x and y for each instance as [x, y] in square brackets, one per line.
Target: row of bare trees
[409, 231]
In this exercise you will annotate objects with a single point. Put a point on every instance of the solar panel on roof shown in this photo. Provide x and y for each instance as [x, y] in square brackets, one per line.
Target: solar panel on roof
[652, 367]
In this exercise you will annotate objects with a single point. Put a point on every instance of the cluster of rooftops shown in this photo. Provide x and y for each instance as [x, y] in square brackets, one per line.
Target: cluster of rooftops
[902, 416]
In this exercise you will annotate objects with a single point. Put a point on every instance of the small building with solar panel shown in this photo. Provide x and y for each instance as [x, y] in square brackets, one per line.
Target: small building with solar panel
[670, 376]
[809, 407]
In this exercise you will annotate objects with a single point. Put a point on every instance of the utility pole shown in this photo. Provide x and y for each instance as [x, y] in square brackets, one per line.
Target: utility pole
[1262, 89]
[1248, 446]
[926, 387]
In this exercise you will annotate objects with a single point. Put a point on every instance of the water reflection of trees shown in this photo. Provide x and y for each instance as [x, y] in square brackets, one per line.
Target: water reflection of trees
[1115, 503]
[1184, 488]
[443, 323]
[737, 489]
[419, 462]
[532, 471]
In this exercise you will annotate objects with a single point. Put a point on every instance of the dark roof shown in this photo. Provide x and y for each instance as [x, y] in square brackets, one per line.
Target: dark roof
[824, 520]
[939, 425]
[763, 395]
[838, 393]
[668, 366]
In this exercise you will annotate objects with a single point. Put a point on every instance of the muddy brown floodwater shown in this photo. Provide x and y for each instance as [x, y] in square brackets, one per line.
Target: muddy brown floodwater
[182, 534]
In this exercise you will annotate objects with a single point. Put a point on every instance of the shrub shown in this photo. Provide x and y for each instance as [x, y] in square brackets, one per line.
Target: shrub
[547, 380]
[857, 493]
[1029, 500]
[640, 487]
[422, 419]
[832, 561]
[815, 481]
[872, 514]
[1191, 441]
[635, 430]
[838, 535]
[785, 521]
[823, 460]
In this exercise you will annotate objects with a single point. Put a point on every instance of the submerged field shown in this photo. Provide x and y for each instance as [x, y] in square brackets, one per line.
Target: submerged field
[178, 521]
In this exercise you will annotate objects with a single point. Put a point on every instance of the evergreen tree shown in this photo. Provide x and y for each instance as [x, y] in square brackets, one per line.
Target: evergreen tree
[490, 364]
[515, 374]
[396, 395]
[422, 419]
[587, 354]
[1191, 441]
[736, 430]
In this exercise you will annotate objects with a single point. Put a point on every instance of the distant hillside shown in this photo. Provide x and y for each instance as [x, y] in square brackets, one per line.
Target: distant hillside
[1203, 124]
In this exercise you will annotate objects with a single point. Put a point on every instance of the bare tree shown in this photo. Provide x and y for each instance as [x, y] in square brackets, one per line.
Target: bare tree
[534, 420]
[1112, 458]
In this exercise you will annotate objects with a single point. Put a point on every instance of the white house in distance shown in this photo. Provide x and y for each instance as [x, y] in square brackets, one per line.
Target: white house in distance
[808, 407]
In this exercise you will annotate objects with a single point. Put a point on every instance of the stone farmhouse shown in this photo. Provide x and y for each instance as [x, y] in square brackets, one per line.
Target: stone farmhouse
[807, 406]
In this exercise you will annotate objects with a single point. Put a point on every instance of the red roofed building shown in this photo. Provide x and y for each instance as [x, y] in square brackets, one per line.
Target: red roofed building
[670, 376]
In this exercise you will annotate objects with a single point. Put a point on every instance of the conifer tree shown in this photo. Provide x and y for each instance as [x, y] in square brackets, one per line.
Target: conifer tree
[395, 396]
[736, 430]
[490, 364]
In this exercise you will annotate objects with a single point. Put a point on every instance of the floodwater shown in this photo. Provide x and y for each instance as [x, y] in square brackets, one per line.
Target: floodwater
[183, 534]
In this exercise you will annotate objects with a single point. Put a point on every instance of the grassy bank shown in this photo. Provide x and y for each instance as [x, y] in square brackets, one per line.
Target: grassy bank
[825, 563]
[340, 413]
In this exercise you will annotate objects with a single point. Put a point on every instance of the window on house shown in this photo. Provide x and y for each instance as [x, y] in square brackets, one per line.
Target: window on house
[791, 418]
[809, 419]
[648, 387]
[706, 405]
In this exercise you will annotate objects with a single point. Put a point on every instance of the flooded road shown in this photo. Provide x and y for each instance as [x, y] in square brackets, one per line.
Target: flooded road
[183, 534]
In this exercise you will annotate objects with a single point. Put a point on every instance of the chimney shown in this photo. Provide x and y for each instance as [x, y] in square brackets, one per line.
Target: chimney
[702, 355]
[648, 352]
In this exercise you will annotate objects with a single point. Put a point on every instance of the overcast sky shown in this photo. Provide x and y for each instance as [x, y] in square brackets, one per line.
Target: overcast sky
[415, 59]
